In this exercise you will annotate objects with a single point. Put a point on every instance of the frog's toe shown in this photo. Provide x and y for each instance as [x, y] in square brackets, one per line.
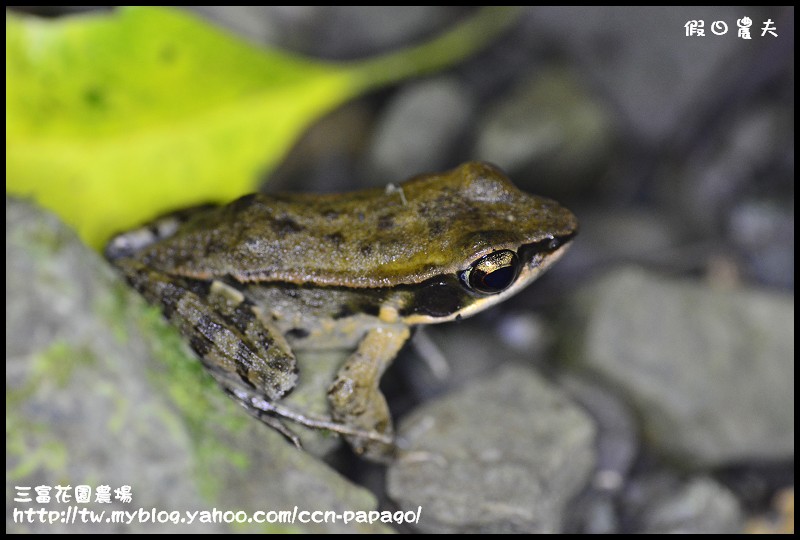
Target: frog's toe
[280, 427]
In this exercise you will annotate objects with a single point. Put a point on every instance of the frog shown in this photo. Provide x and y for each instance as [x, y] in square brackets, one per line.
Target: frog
[252, 283]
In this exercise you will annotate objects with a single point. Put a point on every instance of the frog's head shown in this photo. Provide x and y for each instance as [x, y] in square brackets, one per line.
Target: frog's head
[504, 239]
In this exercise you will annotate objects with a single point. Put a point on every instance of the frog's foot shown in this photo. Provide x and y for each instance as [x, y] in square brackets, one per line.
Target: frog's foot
[355, 397]
[272, 413]
[276, 424]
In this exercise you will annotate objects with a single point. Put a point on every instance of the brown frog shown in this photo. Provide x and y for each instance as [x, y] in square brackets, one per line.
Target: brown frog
[250, 283]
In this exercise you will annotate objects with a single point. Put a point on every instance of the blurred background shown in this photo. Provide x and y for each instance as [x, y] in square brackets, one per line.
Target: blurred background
[646, 383]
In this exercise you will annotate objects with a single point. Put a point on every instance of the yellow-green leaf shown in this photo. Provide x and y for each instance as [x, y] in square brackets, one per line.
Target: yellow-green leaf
[112, 119]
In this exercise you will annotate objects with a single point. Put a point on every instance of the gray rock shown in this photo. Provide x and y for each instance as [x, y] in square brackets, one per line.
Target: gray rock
[641, 58]
[462, 353]
[617, 440]
[740, 179]
[709, 371]
[502, 455]
[764, 232]
[548, 129]
[702, 506]
[333, 31]
[616, 448]
[592, 512]
[100, 391]
[419, 129]
[626, 234]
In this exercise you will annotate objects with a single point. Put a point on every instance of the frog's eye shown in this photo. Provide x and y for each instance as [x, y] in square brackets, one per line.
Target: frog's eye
[492, 273]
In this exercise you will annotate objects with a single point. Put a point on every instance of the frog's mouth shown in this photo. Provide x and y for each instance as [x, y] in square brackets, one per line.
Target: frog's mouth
[446, 298]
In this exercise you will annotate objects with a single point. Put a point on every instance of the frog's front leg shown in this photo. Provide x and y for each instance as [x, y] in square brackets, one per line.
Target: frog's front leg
[356, 399]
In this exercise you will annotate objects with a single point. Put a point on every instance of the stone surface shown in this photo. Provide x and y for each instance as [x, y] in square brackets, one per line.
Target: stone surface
[420, 127]
[504, 454]
[709, 371]
[617, 440]
[642, 60]
[701, 507]
[318, 30]
[548, 129]
[99, 391]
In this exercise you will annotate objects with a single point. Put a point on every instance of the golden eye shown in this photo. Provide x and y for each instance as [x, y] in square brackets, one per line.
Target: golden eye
[492, 273]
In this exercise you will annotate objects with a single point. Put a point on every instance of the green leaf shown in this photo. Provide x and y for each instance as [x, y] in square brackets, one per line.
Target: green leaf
[113, 119]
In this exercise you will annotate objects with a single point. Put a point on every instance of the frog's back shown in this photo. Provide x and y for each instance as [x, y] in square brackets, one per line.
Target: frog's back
[371, 238]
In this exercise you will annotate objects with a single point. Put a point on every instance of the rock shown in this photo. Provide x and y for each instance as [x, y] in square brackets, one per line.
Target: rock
[617, 440]
[504, 454]
[592, 512]
[710, 372]
[337, 32]
[625, 234]
[764, 232]
[617, 47]
[701, 506]
[100, 391]
[739, 181]
[548, 130]
[616, 447]
[420, 127]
